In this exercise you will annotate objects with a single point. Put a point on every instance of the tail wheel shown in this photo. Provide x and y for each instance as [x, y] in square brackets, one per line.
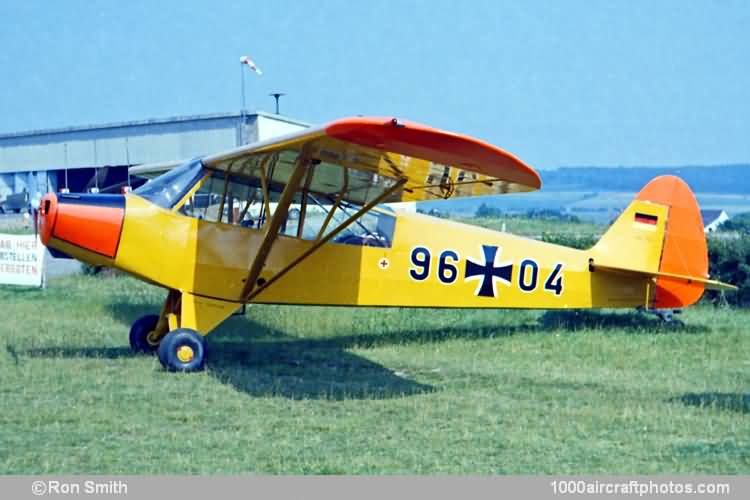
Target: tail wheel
[183, 350]
[140, 331]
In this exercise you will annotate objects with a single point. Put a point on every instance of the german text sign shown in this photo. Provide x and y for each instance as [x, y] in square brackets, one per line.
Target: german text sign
[21, 259]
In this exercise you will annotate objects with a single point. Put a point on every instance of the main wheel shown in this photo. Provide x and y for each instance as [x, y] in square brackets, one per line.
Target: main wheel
[139, 333]
[183, 350]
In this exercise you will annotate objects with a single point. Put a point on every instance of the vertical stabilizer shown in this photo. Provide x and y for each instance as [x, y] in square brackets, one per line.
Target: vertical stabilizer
[661, 232]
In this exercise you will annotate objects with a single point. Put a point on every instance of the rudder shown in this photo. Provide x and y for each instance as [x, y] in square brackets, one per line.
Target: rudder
[660, 232]
[684, 251]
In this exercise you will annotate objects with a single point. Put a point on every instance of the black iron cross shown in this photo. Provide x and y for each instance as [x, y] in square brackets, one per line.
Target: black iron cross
[488, 272]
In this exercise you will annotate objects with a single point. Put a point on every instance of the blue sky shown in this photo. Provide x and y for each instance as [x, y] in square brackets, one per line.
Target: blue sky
[557, 82]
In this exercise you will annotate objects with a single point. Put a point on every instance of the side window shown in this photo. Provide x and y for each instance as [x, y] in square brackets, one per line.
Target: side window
[327, 197]
[241, 205]
[375, 228]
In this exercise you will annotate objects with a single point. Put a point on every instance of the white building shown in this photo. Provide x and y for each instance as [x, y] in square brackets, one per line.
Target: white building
[98, 156]
[712, 219]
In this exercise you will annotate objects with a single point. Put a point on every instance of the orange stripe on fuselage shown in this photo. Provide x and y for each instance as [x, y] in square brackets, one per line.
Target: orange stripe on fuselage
[91, 227]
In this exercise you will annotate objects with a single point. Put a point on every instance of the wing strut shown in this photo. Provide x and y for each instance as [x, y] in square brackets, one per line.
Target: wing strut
[336, 204]
[303, 205]
[271, 229]
[319, 242]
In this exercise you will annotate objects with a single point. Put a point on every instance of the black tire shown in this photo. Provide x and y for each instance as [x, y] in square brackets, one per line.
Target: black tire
[140, 330]
[176, 343]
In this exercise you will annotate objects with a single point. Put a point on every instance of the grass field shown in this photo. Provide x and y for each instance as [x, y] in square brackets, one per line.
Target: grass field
[294, 390]
[535, 228]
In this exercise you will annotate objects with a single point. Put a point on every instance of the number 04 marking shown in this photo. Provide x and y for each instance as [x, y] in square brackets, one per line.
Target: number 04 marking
[528, 274]
[555, 281]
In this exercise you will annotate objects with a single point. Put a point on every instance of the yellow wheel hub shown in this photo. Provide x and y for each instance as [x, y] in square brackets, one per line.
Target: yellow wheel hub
[185, 354]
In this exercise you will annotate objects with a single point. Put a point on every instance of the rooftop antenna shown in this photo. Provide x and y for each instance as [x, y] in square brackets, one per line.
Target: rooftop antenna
[276, 96]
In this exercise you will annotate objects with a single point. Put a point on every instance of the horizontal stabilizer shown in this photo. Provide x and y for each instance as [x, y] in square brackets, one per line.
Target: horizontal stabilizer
[707, 283]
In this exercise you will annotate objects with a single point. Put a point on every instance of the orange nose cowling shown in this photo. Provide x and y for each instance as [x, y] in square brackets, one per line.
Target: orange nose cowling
[91, 222]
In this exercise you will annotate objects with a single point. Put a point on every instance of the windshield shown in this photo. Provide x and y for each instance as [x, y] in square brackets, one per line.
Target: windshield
[169, 188]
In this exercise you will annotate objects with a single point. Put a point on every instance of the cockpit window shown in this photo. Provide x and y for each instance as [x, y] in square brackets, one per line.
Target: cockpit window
[323, 201]
[228, 199]
[167, 189]
[374, 228]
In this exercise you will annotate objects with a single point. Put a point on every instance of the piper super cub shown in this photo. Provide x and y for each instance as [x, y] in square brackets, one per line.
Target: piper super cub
[260, 223]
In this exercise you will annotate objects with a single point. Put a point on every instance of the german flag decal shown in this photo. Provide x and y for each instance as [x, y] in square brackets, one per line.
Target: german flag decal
[646, 218]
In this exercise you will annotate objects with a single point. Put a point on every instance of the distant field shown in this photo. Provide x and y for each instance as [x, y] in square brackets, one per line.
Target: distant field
[535, 228]
[599, 207]
[293, 390]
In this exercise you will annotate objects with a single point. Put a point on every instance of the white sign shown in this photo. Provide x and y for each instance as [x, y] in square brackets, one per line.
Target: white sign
[21, 259]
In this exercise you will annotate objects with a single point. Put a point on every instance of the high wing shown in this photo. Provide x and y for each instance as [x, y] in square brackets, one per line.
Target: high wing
[358, 158]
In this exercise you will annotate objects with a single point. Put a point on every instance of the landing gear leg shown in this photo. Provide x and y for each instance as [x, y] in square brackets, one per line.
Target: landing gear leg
[177, 334]
[147, 331]
[140, 332]
[666, 315]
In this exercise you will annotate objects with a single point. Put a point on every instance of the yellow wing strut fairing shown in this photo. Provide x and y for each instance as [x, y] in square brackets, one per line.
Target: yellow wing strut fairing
[299, 220]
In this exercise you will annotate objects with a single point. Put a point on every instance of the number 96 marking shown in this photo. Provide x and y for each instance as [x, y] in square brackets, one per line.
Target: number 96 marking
[447, 271]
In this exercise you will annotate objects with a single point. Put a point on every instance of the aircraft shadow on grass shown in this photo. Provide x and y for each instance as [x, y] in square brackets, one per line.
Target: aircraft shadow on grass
[720, 400]
[632, 322]
[262, 361]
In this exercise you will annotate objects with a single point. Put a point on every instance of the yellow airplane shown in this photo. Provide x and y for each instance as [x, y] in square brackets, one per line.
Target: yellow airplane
[301, 220]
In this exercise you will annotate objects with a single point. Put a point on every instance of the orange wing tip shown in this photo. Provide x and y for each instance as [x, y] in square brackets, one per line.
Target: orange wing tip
[435, 145]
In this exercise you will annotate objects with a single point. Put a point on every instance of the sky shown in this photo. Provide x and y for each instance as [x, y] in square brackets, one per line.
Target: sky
[558, 83]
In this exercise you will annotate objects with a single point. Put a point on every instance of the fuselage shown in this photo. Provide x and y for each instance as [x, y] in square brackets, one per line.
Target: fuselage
[428, 262]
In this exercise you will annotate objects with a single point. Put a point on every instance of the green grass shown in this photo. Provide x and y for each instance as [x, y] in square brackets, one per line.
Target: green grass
[17, 230]
[303, 390]
[534, 228]
[16, 224]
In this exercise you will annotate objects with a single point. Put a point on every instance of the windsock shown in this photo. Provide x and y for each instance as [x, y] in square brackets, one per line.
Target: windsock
[250, 64]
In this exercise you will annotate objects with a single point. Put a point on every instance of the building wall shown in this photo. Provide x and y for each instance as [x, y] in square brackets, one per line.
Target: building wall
[26, 158]
[268, 128]
[118, 144]
[35, 183]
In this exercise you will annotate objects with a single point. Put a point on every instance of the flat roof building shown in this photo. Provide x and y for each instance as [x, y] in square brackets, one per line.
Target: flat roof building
[98, 156]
